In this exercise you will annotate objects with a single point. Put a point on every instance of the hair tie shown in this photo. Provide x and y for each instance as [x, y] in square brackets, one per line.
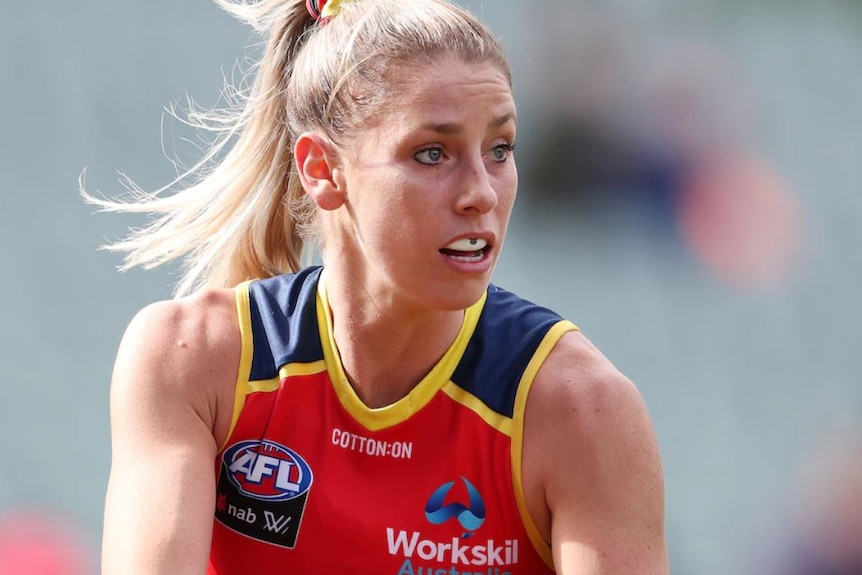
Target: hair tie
[323, 10]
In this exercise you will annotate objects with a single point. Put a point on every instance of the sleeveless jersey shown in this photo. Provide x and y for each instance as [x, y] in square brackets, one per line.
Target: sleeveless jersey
[310, 480]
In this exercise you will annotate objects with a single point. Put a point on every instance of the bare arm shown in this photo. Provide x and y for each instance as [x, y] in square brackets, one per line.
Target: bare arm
[171, 398]
[597, 469]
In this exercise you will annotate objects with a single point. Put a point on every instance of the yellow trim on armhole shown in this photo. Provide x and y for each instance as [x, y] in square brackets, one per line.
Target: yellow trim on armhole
[243, 313]
[550, 340]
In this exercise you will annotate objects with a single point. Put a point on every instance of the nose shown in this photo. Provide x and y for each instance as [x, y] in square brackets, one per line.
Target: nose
[477, 194]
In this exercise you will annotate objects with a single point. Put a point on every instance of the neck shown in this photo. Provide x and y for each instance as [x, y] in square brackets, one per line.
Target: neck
[387, 346]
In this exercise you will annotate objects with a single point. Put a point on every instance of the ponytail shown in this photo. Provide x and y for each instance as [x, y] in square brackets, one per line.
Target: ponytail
[245, 217]
[240, 212]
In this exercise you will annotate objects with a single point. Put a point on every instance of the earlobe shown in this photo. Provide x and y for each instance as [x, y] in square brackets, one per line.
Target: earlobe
[315, 163]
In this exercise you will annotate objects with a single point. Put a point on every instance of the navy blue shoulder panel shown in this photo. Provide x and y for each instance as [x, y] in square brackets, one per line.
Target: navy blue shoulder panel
[507, 336]
[283, 315]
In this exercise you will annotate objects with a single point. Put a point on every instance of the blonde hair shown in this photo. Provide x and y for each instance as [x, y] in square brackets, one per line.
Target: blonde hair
[240, 212]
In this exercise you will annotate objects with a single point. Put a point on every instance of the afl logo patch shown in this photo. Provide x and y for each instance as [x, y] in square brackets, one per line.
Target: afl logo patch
[266, 470]
[262, 490]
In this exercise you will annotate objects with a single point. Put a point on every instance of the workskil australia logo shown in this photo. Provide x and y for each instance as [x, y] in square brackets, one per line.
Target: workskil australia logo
[462, 554]
[470, 516]
[262, 490]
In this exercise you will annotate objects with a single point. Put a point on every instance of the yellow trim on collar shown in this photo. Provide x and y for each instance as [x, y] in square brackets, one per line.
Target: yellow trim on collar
[375, 419]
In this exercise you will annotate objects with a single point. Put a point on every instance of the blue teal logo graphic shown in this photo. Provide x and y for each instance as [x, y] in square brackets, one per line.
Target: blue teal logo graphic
[470, 516]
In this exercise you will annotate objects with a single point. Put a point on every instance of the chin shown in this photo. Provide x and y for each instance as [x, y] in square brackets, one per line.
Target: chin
[459, 299]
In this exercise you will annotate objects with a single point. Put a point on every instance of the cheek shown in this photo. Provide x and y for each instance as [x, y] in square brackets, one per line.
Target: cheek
[507, 189]
[389, 214]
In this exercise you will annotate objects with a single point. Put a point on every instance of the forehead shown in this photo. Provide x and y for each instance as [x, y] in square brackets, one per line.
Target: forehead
[447, 89]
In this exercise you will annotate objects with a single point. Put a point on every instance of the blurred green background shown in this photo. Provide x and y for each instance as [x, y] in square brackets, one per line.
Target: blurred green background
[689, 197]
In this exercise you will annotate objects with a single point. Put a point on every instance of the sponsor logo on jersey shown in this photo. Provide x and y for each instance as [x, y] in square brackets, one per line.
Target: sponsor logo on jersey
[470, 516]
[370, 446]
[262, 490]
[461, 554]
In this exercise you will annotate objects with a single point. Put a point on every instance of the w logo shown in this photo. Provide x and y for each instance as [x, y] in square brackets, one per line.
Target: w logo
[470, 516]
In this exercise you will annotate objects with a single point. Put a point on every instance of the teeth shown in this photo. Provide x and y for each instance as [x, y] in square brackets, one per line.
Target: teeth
[467, 245]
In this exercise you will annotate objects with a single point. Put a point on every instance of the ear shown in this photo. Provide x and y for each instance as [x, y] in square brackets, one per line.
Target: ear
[320, 176]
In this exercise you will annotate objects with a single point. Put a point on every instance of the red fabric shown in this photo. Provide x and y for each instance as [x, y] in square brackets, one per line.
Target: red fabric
[365, 508]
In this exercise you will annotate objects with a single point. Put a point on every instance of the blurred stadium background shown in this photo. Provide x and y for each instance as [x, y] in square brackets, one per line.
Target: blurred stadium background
[690, 197]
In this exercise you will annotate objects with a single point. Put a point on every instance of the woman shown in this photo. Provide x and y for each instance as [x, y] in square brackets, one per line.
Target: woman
[392, 411]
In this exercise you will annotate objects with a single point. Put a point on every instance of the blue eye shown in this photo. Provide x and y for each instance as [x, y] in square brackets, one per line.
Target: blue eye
[502, 152]
[430, 156]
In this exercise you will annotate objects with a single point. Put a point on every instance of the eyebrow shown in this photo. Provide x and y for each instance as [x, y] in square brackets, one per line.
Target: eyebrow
[450, 128]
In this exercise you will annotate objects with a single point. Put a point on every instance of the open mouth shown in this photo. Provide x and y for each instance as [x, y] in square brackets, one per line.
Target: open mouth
[467, 250]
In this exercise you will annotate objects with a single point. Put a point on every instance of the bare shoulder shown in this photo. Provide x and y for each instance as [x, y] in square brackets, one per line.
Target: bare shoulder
[594, 465]
[202, 321]
[184, 352]
[581, 405]
[580, 386]
[171, 406]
